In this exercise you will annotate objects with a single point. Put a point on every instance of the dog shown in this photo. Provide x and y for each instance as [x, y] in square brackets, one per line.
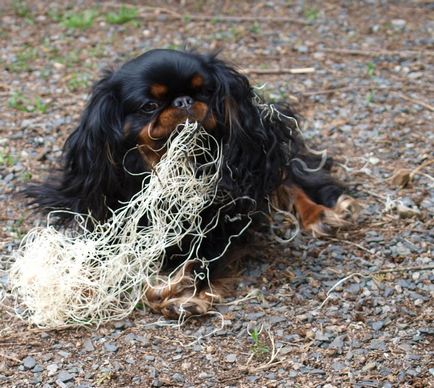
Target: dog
[132, 111]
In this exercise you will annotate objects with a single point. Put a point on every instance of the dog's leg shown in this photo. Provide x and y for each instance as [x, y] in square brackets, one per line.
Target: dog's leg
[315, 219]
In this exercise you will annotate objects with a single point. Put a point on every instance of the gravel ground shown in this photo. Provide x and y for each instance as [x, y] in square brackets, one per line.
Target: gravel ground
[352, 311]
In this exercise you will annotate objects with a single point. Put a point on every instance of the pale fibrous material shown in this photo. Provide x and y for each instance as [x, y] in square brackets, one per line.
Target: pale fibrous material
[91, 277]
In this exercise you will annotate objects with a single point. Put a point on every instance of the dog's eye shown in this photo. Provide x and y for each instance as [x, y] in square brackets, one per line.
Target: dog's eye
[149, 107]
[206, 93]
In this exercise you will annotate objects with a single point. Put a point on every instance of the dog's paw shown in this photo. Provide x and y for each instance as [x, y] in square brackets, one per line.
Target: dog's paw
[324, 221]
[177, 296]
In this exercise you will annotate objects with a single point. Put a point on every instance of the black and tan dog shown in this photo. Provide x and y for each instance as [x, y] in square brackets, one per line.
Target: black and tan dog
[140, 104]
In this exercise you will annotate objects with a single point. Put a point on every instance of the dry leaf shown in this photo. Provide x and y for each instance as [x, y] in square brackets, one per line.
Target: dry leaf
[407, 212]
[314, 283]
[401, 178]
[378, 278]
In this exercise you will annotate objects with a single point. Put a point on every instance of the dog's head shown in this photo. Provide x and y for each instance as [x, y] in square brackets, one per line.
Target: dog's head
[140, 103]
[160, 90]
[144, 100]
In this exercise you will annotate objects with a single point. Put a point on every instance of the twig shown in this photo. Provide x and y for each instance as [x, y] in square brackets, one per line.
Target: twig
[377, 53]
[358, 246]
[56, 328]
[4, 218]
[280, 71]
[11, 358]
[420, 268]
[370, 274]
[157, 10]
[374, 194]
[4, 86]
[425, 105]
[328, 91]
[223, 18]
[338, 283]
[348, 88]
[422, 166]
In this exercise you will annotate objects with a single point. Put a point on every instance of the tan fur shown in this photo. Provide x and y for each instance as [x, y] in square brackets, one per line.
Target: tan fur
[315, 219]
[197, 82]
[179, 297]
[158, 91]
[151, 149]
[332, 220]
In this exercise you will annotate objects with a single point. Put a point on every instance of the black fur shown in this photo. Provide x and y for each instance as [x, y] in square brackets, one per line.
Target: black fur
[258, 155]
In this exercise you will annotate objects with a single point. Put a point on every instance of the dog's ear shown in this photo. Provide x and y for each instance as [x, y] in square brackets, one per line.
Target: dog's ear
[253, 150]
[93, 153]
[92, 159]
[232, 98]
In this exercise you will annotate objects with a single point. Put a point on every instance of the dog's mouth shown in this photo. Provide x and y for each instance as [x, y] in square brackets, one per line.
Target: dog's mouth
[154, 137]
[154, 148]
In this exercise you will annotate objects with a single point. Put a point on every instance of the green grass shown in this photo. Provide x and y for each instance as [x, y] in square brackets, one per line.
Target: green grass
[98, 51]
[371, 69]
[68, 59]
[24, 59]
[369, 97]
[255, 29]
[259, 348]
[6, 159]
[15, 228]
[215, 20]
[236, 32]
[124, 15]
[198, 6]
[20, 8]
[80, 20]
[311, 13]
[18, 101]
[54, 15]
[267, 93]
[172, 46]
[25, 176]
[78, 81]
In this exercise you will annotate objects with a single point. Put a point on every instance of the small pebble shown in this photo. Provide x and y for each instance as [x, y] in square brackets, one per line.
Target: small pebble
[88, 346]
[338, 366]
[178, 378]
[369, 366]
[52, 369]
[111, 347]
[231, 358]
[29, 363]
[64, 376]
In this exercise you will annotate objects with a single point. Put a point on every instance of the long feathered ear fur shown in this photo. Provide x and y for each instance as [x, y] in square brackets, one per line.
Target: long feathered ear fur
[254, 143]
[92, 164]
[263, 145]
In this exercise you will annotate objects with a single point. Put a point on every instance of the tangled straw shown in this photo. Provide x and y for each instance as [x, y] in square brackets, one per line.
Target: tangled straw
[100, 275]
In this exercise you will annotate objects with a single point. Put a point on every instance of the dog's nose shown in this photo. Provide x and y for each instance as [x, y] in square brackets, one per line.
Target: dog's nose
[184, 102]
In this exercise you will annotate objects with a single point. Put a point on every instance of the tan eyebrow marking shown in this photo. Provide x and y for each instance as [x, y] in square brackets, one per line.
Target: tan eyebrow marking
[158, 91]
[197, 82]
